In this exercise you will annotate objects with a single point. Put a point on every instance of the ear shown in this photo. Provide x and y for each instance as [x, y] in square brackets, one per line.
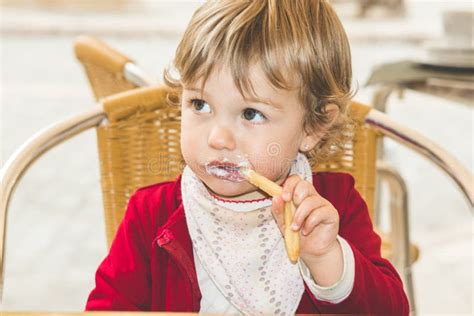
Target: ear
[312, 138]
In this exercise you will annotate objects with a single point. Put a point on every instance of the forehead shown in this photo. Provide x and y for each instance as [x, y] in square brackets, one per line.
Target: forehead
[222, 82]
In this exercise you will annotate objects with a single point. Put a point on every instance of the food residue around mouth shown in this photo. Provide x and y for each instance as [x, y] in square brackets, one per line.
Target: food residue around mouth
[224, 169]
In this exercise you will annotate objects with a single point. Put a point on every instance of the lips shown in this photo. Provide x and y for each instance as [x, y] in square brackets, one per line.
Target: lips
[223, 164]
[225, 170]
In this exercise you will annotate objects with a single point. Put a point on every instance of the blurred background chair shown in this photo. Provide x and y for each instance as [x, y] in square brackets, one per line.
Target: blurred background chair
[129, 124]
[393, 7]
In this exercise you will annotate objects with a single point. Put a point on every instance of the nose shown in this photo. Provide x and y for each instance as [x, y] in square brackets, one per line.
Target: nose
[221, 138]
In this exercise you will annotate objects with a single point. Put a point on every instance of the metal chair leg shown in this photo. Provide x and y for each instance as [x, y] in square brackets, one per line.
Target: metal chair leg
[379, 102]
[399, 227]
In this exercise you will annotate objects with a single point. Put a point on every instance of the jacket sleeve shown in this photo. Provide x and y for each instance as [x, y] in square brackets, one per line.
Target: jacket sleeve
[122, 281]
[377, 288]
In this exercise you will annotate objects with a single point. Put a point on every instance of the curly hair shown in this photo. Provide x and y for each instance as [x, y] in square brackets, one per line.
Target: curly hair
[300, 44]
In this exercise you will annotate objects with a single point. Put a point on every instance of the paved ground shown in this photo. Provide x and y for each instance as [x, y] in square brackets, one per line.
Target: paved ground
[55, 230]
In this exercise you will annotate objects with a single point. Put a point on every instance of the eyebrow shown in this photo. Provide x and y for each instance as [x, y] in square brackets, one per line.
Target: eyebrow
[265, 102]
[192, 88]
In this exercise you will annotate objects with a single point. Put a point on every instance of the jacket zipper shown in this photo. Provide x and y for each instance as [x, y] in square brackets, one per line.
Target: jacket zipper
[181, 259]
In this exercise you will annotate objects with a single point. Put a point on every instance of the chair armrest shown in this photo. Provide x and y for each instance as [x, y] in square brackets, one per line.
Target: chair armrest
[15, 167]
[136, 76]
[92, 50]
[422, 145]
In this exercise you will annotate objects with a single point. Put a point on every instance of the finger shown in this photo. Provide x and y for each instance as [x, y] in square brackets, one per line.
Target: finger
[302, 190]
[304, 210]
[278, 212]
[317, 217]
[289, 186]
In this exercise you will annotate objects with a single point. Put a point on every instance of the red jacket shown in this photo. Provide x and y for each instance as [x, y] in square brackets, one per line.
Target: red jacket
[150, 265]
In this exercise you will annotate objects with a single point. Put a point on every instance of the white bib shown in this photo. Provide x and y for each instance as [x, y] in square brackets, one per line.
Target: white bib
[243, 252]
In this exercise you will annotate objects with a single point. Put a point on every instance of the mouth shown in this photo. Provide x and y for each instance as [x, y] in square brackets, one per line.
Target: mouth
[225, 170]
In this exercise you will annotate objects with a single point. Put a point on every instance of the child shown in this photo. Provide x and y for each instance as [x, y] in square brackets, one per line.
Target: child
[267, 81]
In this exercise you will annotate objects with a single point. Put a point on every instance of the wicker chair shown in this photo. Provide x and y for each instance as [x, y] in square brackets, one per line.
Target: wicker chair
[138, 138]
[359, 157]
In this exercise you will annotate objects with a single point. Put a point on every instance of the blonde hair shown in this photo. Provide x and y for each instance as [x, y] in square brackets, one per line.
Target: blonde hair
[303, 38]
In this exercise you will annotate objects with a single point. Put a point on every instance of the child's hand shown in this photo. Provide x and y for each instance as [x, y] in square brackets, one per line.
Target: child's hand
[315, 217]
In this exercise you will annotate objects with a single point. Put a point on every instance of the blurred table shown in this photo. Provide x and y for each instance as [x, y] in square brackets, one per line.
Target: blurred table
[455, 84]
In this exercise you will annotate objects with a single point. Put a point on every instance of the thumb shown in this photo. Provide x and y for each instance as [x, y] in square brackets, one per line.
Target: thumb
[278, 210]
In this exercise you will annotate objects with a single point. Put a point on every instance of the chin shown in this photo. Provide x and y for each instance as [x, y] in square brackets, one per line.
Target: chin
[228, 189]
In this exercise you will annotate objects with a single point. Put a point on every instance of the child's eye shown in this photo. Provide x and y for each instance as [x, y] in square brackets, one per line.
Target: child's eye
[200, 106]
[253, 115]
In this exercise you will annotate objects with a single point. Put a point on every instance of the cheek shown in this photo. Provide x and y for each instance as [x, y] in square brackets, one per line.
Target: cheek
[272, 158]
[187, 140]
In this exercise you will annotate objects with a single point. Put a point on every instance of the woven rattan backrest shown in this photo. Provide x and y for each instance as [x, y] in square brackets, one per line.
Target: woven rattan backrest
[103, 66]
[358, 156]
[140, 146]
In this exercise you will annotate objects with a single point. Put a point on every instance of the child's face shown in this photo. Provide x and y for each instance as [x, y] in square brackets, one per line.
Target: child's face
[220, 128]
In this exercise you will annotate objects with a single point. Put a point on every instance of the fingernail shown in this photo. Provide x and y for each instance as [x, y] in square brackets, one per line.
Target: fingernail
[294, 226]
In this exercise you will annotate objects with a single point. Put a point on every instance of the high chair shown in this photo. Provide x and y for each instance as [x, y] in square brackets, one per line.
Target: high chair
[138, 138]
